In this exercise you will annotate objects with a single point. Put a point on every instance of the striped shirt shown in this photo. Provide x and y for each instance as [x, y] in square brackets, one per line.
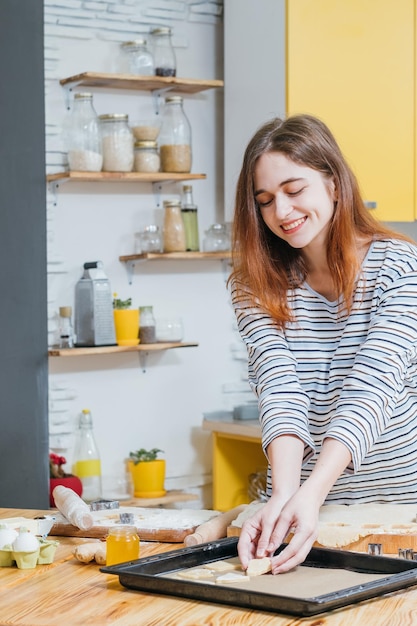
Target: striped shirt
[350, 377]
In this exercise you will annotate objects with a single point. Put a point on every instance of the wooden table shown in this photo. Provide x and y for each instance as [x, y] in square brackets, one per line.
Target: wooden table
[70, 593]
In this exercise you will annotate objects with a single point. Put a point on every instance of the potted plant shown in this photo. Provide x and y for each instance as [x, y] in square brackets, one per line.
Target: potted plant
[57, 476]
[126, 322]
[148, 473]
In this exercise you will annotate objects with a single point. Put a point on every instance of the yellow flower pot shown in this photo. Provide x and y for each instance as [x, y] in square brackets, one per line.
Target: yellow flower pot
[126, 324]
[148, 478]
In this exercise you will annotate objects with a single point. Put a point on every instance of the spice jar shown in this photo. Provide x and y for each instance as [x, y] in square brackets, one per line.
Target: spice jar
[175, 137]
[117, 142]
[146, 157]
[174, 232]
[82, 136]
[147, 333]
[163, 52]
[148, 240]
[122, 544]
[139, 60]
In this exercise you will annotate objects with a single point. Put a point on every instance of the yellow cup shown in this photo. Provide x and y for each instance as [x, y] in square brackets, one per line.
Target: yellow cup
[126, 324]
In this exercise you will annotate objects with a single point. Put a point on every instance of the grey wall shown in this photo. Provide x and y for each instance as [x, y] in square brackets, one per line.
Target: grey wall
[23, 314]
[254, 78]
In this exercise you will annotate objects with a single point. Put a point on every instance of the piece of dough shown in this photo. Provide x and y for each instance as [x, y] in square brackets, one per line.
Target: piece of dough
[257, 567]
[195, 574]
[222, 566]
[231, 577]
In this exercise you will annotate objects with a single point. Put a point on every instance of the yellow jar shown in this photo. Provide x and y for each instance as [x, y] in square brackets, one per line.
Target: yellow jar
[122, 544]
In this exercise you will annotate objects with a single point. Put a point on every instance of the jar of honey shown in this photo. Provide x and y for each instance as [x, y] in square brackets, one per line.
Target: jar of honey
[122, 544]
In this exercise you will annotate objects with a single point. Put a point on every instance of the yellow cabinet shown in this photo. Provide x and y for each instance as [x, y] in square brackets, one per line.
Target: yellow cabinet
[352, 63]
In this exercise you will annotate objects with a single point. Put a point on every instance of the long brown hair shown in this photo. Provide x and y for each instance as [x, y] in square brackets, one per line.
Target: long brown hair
[265, 267]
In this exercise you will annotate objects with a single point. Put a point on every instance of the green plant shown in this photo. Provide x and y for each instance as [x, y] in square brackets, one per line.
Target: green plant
[121, 304]
[144, 455]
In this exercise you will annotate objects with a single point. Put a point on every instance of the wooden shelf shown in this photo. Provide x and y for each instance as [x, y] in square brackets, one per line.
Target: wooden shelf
[173, 256]
[122, 177]
[141, 83]
[150, 347]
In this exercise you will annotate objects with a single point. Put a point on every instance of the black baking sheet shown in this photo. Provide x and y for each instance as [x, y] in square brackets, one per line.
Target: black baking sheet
[150, 574]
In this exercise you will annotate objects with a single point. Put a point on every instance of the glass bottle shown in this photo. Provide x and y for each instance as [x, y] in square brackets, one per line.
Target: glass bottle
[82, 136]
[146, 156]
[175, 137]
[139, 60]
[118, 155]
[122, 544]
[163, 52]
[66, 331]
[87, 465]
[147, 332]
[173, 232]
[190, 219]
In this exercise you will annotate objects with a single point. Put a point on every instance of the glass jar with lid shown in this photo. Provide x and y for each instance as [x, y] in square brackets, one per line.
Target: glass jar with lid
[117, 142]
[148, 240]
[138, 59]
[175, 137]
[163, 52]
[217, 239]
[122, 544]
[82, 136]
[174, 231]
[146, 157]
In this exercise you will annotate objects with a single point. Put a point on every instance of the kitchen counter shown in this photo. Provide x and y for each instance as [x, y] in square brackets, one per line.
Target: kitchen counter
[70, 593]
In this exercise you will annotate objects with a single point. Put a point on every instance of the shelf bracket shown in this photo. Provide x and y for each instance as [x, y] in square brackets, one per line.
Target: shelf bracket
[156, 95]
[68, 89]
[157, 192]
[143, 358]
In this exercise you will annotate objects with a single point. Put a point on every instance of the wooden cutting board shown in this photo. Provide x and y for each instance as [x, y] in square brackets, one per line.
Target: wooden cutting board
[164, 525]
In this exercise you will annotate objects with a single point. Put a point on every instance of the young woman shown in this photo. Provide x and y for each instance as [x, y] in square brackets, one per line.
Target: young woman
[326, 303]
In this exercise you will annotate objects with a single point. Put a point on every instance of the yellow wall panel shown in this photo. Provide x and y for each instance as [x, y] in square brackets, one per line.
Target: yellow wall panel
[352, 63]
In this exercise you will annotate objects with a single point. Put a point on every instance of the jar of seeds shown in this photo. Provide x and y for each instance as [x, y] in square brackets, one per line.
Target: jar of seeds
[117, 142]
[175, 137]
[82, 135]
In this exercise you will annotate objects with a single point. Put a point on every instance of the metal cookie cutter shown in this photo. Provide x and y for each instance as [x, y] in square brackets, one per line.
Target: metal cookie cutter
[375, 549]
[406, 553]
[104, 505]
[127, 518]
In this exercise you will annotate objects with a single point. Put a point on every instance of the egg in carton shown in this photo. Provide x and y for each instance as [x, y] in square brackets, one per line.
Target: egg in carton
[24, 548]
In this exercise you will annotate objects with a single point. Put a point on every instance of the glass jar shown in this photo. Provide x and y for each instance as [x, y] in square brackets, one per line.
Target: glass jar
[122, 544]
[148, 240]
[146, 157]
[174, 232]
[163, 52]
[175, 137]
[139, 60]
[66, 331]
[117, 141]
[82, 136]
[169, 329]
[217, 239]
[147, 332]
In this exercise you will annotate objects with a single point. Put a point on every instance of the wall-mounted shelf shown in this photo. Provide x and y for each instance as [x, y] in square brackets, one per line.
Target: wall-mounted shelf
[143, 350]
[122, 177]
[150, 347]
[141, 83]
[132, 259]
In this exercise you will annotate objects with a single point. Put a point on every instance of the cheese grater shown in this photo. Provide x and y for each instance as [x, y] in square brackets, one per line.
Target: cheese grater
[94, 323]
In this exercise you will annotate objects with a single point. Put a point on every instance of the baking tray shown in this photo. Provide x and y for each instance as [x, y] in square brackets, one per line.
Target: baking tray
[151, 574]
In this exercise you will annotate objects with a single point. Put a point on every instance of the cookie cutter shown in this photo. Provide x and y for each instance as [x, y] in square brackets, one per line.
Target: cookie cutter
[127, 518]
[375, 549]
[406, 553]
[104, 505]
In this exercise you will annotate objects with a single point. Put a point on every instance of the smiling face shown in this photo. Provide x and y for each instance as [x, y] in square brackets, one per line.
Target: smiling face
[296, 201]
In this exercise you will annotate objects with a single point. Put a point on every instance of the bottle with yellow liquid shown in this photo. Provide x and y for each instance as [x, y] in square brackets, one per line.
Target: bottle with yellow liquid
[87, 464]
[122, 544]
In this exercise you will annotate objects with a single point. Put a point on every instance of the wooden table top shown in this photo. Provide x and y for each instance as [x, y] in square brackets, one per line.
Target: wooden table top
[70, 593]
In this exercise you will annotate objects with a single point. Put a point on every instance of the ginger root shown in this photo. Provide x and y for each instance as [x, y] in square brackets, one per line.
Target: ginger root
[87, 552]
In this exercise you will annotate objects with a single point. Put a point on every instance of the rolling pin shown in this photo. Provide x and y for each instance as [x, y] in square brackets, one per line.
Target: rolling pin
[213, 529]
[72, 507]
